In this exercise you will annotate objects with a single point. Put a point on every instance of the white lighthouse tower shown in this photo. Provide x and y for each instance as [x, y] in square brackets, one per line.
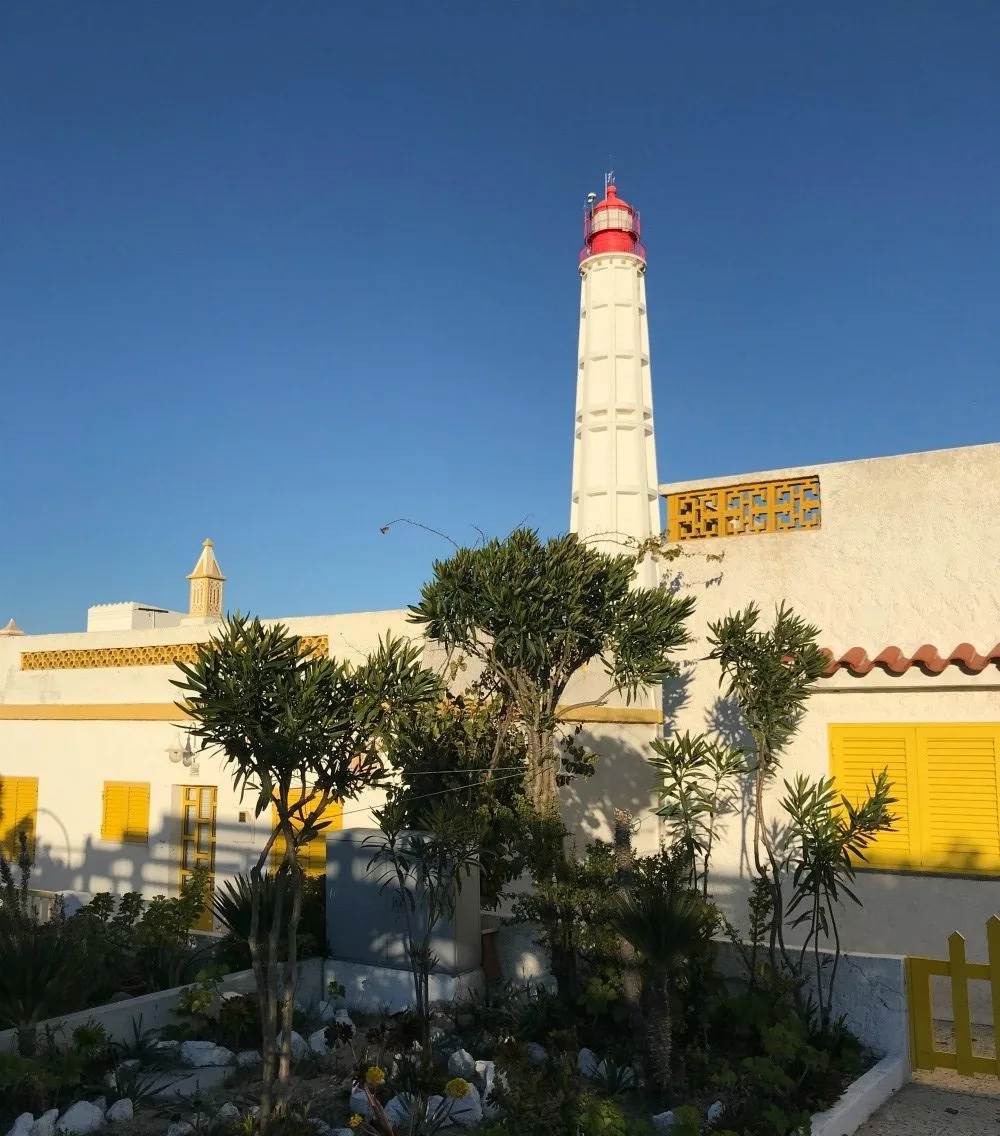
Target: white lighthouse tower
[615, 493]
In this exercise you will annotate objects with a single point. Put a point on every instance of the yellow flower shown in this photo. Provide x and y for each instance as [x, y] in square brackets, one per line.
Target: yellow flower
[375, 1076]
[356, 1121]
[456, 1088]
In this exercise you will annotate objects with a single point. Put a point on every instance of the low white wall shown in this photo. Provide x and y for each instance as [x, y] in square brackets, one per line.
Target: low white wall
[154, 1011]
[521, 958]
[862, 1099]
[869, 993]
[373, 988]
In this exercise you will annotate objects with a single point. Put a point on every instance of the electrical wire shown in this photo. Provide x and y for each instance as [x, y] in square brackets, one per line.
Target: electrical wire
[442, 792]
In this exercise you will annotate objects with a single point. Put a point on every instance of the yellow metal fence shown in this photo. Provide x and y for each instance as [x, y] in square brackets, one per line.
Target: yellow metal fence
[920, 971]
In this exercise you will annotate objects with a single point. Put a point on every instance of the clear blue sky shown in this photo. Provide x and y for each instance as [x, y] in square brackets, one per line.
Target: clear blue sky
[278, 273]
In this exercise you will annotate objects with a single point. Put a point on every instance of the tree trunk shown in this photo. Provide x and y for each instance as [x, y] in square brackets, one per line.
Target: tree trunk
[542, 788]
[263, 982]
[269, 1007]
[629, 963]
[659, 1035]
[289, 975]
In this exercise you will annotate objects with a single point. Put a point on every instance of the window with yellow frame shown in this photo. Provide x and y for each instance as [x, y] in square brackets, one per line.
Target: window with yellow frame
[946, 781]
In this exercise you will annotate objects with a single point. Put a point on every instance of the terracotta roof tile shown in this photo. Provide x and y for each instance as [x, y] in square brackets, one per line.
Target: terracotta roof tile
[927, 658]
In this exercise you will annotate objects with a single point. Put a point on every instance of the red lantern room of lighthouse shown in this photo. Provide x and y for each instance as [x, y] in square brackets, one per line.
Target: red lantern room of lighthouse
[611, 225]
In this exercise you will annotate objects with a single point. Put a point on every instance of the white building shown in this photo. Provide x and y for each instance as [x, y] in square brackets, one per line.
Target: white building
[893, 558]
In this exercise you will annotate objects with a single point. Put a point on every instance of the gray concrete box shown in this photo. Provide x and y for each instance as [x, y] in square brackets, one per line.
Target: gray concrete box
[365, 921]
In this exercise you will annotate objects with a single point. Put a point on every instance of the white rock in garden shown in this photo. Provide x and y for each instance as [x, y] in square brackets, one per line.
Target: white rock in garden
[398, 1109]
[45, 1125]
[587, 1063]
[201, 1054]
[180, 1128]
[227, 1114]
[120, 1110]
[81, 1118]
[101, 1103]
[198, 1121]
[247, 1058]
[343, 1132]
[110, 1081]
[128, 1065]
[485, 1073]
[462, 1064]
[434, 1106]
[23, 1125]
[299, 1046]
[436, 1035]
[359, 1102]
[317, 1041]
[715, 1110]
[165, 1045]
[537, 1054]
[663, 1121]
[467, 1110]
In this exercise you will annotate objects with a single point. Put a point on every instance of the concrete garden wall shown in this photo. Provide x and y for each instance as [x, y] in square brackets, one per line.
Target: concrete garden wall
[154, 1011]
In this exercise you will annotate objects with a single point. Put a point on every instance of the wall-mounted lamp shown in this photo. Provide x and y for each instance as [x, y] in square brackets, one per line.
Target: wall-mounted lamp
[178, 755]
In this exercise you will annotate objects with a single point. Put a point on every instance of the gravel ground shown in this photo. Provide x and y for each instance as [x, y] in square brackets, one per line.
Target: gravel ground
[939, 1101]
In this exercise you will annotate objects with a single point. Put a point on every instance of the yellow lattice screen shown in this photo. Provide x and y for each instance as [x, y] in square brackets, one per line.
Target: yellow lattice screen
[743, 510]
[162, 655]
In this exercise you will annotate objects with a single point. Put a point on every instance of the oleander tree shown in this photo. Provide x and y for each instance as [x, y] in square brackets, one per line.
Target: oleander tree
[532, 614]
[805, 867]
[297, 732]
[528, 615]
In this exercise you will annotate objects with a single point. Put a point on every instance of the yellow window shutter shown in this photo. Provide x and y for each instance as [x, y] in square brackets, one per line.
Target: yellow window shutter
[960, 812]
[125, 818]
[860, 752]
[333, 815]
[114, 819]
[137, 820]
[312, 854]
[18, 808]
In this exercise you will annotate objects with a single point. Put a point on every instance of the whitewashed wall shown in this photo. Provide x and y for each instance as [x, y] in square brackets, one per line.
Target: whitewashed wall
[73, 758]
[907, 554]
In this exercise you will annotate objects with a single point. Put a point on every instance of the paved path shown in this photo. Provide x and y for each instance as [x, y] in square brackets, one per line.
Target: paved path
[940, 1103]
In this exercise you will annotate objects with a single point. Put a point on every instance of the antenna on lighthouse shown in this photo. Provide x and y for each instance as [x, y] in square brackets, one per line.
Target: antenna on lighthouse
[609, 179]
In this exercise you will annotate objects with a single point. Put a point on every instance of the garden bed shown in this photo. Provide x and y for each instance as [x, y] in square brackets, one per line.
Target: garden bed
[489, 1046]
[154, 1011]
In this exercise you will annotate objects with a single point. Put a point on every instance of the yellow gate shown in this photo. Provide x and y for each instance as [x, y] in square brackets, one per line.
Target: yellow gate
[920, 971]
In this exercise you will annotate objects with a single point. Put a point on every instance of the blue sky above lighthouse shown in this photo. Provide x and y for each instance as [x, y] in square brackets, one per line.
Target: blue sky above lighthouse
[281, 273]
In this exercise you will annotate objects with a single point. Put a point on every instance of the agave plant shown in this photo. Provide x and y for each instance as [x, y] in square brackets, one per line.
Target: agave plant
[665, 930]
[232, 904]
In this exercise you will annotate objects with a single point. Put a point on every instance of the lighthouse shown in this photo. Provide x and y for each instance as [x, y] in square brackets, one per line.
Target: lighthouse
[615, 504]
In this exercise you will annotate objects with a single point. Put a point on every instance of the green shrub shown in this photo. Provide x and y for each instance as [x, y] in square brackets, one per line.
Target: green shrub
[41, 975]
[54, 1076]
